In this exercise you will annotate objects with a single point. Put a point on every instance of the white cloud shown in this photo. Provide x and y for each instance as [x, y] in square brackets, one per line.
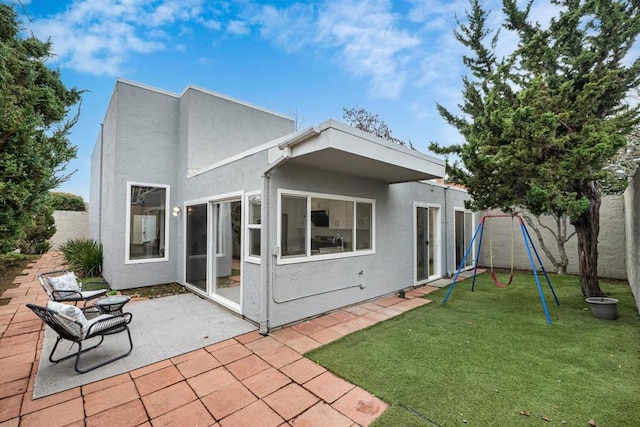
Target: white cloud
[290, 28]
[370, 42]
[364, 36]
[98, 36]
[238, 27]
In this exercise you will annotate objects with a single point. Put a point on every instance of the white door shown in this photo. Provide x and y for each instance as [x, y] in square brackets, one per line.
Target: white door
[427, 241]
[213, 251]
[463, 225]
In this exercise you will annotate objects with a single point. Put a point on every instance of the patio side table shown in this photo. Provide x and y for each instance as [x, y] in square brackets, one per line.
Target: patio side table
[112, 304]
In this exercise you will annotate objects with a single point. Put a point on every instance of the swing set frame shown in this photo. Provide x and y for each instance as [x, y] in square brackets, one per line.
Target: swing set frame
[529, 246]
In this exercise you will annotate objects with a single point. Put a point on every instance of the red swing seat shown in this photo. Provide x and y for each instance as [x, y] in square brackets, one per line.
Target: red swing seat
[498, 282]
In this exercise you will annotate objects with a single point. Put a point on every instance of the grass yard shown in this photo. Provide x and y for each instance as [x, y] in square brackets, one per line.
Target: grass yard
[488, 358]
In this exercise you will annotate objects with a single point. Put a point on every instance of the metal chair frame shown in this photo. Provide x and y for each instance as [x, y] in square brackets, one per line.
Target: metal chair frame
[69, 296]
[108, 325]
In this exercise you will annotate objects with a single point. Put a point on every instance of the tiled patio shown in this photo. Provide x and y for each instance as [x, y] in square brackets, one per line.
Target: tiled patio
[250, 380]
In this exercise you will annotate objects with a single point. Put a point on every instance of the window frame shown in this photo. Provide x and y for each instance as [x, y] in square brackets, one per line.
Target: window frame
[248, 257]
[308, 257]
[167, 215]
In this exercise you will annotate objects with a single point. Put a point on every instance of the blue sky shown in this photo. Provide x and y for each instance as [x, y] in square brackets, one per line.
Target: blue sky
[307, 59]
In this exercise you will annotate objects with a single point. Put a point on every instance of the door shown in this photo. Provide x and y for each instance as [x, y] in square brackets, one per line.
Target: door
[426, 243]
[226, 232]
[463, 235]
[213, 251]
[197, 247]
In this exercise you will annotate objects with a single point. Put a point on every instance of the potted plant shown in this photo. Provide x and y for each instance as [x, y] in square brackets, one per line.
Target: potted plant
[603, 307]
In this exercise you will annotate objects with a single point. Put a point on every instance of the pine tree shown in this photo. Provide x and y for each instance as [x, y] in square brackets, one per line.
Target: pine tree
[34, 148]
[540, 124]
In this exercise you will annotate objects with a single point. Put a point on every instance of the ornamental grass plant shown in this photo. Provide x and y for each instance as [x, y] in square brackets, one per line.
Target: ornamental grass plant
[489, 358]
[84, 256]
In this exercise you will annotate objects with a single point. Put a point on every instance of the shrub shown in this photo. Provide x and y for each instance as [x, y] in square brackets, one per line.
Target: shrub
[38, 233]
[66, 202]
[84, 256]
[42, 247]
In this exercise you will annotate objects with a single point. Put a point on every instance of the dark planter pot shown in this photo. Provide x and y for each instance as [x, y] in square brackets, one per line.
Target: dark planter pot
[604, 308]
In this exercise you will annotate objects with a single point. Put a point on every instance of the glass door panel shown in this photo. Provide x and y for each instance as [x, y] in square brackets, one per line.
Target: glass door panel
[226, 230]
[468, 234]
[196, 250]
[463, 234]
[432, 240]
[427, 243]
[422, 244]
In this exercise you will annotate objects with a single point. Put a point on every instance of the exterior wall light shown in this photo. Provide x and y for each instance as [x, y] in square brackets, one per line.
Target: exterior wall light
[176, 211]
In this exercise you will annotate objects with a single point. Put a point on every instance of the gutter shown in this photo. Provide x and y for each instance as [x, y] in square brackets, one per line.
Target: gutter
[298, 137]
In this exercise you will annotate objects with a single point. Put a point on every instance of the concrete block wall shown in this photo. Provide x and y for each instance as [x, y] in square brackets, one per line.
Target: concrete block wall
[632, 225]
[69, 225]
[611, 242]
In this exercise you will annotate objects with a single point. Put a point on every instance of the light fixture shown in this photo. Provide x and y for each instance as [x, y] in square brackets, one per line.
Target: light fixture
[176, 211]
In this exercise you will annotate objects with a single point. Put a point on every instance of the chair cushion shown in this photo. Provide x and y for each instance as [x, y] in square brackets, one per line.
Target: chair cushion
[67, 315]
[66, 282]
[91, 322]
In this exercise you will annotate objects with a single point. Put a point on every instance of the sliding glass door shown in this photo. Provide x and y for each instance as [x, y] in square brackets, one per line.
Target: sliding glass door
[227, 232]
[427, 240]
[196, 250]
[463, 234]
[213, 251]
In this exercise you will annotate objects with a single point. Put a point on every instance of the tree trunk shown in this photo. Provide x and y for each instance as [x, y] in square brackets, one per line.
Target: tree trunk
[587, 229]
[560, 236]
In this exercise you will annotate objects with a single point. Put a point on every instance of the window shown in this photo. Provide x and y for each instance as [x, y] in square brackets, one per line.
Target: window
[254, 220]
[293, 226]
[324, 226]
[147, 225]
[364, 222]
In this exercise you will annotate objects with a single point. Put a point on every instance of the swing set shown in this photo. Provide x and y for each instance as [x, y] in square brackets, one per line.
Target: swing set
[528, 244]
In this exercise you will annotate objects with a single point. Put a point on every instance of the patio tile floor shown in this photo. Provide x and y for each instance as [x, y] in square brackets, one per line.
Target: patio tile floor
[249, 380]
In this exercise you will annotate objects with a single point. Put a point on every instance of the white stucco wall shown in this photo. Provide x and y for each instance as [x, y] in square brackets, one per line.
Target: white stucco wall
[155, 137]
[139, 144]
[69, 225]
[218, 127]
[632, 224]
[313, 287]
[611, 242]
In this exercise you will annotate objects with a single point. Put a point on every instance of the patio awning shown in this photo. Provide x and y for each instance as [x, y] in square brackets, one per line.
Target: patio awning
[336, 147]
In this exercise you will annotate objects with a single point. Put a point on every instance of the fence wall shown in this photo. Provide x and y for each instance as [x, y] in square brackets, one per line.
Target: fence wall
[632, 224]
[69, 225]
[612, 247]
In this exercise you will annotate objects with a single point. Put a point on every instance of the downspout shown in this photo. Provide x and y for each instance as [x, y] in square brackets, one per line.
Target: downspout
[267, 251]
[265, 257]
[447, 234]
[100, 182]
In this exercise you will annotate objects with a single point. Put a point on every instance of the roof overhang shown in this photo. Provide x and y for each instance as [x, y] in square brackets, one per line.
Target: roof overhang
[336, 147]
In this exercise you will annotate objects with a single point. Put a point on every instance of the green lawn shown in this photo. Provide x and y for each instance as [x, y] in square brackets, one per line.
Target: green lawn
[489, 355]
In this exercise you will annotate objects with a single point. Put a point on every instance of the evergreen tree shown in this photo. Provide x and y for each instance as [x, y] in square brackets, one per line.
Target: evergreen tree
[34, 148]
[540, 124]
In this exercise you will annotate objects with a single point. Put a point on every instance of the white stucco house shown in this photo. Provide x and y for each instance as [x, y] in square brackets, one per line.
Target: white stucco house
[275, 224]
